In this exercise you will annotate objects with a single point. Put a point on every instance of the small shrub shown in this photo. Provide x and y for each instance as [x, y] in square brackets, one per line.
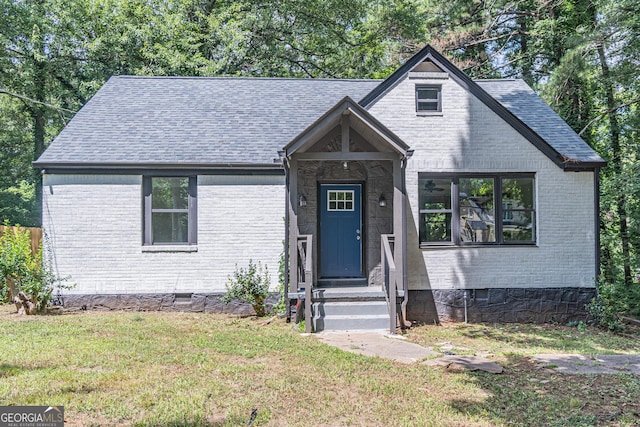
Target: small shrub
[21, 271]
[603, 310]
[281, 306]
[250, 285]
[17, 265]
[604, 315]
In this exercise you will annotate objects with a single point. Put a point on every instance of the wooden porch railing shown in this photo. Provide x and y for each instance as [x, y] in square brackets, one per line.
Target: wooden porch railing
[305, 275]
[389, 280]
[392, 282]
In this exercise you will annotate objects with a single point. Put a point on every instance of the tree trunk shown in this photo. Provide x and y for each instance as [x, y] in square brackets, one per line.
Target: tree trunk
[526, 63]
[38, 115]
[11, 285]
[616, 165]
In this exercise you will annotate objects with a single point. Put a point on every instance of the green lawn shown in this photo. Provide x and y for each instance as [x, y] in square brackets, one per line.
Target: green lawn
[188, 369]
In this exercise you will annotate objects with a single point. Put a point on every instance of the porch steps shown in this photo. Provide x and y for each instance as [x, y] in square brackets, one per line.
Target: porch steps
[349, 308]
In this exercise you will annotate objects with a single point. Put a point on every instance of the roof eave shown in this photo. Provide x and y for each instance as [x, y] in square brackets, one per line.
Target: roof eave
[155, 165]
[573, 166]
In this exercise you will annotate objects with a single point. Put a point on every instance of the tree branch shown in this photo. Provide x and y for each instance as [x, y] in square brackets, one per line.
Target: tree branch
[611, 110]
[33, 101]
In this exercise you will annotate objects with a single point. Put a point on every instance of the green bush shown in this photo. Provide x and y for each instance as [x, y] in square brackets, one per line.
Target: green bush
[22, 271]
[605, 308]
[18, 266]
[281, 306]
[250, 285]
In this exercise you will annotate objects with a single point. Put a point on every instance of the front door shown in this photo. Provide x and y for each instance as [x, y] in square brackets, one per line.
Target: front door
[340, 231]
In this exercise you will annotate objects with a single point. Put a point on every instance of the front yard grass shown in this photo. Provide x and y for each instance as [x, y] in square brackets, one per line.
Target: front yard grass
[194, 369]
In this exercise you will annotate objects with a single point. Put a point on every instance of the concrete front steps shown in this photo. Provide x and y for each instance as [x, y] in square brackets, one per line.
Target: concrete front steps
[350, 308]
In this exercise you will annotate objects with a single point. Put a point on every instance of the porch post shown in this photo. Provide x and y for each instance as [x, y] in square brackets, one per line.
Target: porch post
[398, 219]
[405, 258]
[292, 244]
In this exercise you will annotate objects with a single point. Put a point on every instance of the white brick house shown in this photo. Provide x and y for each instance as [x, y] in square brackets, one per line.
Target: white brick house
[428, 194]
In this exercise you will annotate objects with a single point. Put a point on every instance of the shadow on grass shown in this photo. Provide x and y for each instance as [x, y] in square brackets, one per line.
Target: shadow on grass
[7, 370]
[561, 338]
[528, 394]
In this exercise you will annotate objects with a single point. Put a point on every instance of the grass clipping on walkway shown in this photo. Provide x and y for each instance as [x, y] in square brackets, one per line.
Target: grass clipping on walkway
[192, 369]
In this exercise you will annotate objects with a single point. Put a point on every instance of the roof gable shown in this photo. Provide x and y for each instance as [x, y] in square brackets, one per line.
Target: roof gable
[572, 155]
[359, 119]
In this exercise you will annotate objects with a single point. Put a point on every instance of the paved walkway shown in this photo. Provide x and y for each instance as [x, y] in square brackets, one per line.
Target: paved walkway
[581, 364]
[377, 344]
[397, 348]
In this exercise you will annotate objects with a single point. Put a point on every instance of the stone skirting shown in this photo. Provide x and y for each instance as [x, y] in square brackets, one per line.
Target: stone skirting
[429, 306]
[500, 305]
[209, 303]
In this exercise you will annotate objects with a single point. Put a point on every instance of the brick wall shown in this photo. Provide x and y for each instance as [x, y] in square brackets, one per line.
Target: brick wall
[93, 226]
[469, 137]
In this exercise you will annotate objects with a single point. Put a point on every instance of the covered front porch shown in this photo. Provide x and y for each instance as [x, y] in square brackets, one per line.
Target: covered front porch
[346, 222]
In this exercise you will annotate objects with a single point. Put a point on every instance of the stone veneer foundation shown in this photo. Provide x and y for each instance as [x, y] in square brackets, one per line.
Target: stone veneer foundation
[508, 305]
[208, 303]
[483, 305]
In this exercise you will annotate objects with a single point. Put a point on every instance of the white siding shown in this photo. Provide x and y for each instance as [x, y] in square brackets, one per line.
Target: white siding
[469, 137]
[94, 225]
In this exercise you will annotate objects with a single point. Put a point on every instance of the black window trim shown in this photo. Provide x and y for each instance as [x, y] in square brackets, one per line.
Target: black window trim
[192, 207]
[498, 211]
[438, 87]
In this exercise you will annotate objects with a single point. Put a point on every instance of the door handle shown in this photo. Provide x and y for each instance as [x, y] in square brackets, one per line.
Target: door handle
[357, 237]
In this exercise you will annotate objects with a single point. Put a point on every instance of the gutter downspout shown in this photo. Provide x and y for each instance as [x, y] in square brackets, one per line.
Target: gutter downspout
[596, 197]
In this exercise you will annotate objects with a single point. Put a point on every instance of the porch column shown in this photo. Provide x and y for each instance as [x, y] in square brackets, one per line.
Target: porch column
[292, 244]
[399, 247]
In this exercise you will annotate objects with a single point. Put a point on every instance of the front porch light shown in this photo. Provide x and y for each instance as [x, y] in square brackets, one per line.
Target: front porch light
[382, 201]
[302, 200]
[345, 165]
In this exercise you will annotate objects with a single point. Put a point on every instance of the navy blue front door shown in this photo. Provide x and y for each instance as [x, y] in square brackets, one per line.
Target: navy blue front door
[340, 231]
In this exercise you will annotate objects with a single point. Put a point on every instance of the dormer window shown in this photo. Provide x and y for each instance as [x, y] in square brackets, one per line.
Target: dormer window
[428, 99]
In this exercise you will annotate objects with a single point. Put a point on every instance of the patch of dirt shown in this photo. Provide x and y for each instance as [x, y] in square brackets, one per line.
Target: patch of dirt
[81, 419]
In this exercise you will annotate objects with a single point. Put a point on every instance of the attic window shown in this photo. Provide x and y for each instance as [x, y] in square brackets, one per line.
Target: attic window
[428, 99]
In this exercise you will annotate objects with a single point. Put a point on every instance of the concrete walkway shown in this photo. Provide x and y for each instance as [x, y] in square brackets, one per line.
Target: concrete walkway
[378, 344]
[397, 348]
[580, 364]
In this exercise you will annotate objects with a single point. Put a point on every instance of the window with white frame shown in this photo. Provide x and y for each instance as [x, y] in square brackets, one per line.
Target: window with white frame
[169, 210]
[477, 209]
[340, 200]
[428, 99]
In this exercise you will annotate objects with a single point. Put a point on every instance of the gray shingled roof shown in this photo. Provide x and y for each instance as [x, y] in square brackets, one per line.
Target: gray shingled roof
[522, 101]
[167, 120]
[236, 121]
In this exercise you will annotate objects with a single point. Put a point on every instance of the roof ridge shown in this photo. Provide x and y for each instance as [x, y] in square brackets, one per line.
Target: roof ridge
[128, 76]
[508, 79]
